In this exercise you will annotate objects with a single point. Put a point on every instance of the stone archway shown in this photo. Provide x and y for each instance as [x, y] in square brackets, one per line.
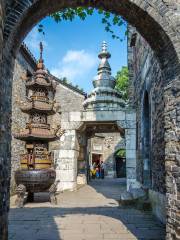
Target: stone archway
[156, 20]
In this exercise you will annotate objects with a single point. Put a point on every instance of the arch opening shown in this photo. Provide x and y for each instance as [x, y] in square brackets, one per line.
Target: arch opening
[150, 28]
[120, 163]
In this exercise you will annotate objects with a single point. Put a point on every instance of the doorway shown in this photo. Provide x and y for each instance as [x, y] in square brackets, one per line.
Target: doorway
[96, 159]
[120, 163]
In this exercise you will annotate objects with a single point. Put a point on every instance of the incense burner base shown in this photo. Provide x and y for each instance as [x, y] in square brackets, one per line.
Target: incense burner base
[34, 181]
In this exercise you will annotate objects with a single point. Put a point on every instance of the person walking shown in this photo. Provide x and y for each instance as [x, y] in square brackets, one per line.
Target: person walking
[102, 165]
[97, 172]
[93, 171]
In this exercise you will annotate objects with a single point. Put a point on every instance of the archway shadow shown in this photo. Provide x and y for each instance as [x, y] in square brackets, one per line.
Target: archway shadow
[44, 223]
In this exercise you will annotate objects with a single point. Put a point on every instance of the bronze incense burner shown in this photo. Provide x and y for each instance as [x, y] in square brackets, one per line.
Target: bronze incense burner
[37, 173]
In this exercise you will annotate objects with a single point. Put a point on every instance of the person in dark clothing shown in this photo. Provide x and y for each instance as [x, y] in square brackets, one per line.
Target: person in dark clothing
[102, 169]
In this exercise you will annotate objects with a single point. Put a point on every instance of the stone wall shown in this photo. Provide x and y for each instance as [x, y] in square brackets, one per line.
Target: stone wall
[68, 99]
[172, 157]
[19, 118]
[147, 95]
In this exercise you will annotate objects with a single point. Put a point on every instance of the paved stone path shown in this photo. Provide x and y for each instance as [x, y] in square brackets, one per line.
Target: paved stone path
[92, 212]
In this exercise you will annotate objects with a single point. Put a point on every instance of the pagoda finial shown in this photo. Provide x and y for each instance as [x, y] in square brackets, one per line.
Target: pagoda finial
[104, 52]
[104, 46]
[104, 69]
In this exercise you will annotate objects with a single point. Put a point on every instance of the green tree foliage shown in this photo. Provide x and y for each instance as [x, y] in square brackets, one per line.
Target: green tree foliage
[122, 82]
[109, 20]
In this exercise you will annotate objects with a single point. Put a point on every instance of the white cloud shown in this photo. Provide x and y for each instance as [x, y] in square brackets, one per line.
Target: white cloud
[33, 39]
[75, 64]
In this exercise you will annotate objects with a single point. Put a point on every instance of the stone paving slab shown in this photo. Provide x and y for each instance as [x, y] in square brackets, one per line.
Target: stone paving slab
[91, 212]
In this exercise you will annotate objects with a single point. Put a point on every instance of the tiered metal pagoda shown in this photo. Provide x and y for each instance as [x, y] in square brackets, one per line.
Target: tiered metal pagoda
[37, 173]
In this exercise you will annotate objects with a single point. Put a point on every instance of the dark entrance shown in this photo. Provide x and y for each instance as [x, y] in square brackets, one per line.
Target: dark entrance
[96, 158]
[120, 163]
[120, 167]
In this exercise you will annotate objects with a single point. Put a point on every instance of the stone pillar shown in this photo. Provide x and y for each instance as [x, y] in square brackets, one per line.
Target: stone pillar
[83, 159]
[66, 163]
[130, 138]
[130, 135]
[172, 158]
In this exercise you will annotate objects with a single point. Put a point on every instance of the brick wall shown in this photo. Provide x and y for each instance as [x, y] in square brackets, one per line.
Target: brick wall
[146, 77]
[5, 91]
[146, 81]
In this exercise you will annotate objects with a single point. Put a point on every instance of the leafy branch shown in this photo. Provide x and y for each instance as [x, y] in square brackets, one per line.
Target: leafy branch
[121, 153]
[108, 19]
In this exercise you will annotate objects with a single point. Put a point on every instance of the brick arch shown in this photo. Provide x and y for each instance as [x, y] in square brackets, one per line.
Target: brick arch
[153, 19]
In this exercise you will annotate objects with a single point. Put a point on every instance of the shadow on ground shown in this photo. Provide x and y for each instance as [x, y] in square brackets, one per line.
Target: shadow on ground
[91, 212]
[110, 188]
[48, 223]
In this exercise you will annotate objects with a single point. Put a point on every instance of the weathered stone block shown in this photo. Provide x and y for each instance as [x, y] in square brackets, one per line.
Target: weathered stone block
[63, 185]
[130, 124]
[81, 179]
[68, 154]
[130, 116]
[131, 162]
[130, 132]
[131, 142]
[137, 193]
[131, 173]
[130, 154]
[66, 175]
[159, 204]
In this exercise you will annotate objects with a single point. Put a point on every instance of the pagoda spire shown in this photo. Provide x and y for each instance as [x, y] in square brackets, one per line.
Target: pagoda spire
[104, 78]
[104, 96]
[104, 69]
[41, 51]
[40, 64]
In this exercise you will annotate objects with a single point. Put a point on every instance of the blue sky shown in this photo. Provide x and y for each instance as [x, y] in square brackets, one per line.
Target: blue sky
[71, 48]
